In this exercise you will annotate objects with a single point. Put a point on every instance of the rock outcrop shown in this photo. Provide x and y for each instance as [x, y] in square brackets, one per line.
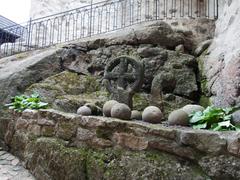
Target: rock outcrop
[86, 61]
[222, 63]
[19, 72]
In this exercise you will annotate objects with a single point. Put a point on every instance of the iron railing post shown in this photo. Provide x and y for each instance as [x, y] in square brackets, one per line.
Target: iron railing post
[29, 33]
[90, 23]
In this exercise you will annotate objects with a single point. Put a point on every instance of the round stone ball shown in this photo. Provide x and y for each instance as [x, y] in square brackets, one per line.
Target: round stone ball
[121, 111]
[108, 106]
[84, 111]
[178, 117]
[191, 108]
[152, 114]
[137, 115]
[236, 118]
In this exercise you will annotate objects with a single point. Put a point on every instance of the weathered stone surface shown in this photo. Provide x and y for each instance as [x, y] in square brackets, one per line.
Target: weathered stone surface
[121, 111]
[84, 134]
[52, 160]
[209, 142]
[130, 141]
[84, 111]
[236, 118]
[11, 168]
[191, 108]
[152, 114]
[202, 47]
[20, 71]
[233, 146]
[123, 77]
[65, 83]
[137, 115]
[45, 122]
[104, 164]
[180, 48]
[107, 107]
[230, 164]
[222, 64]
[66, 130]
[178, 117]
[70, 103]
[18, 74]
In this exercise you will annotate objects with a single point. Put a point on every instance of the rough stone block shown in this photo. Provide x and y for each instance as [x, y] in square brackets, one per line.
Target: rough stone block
[130, 141]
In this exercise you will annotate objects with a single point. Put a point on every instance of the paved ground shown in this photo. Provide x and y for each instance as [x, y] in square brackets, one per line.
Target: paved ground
[11, 168]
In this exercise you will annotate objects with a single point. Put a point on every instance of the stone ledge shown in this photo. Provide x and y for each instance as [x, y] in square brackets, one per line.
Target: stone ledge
[101, 133]
[96, 131]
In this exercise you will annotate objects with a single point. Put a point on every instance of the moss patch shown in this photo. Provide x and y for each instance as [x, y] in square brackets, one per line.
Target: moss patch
[59, 161]
[140, 101]
[204, 101]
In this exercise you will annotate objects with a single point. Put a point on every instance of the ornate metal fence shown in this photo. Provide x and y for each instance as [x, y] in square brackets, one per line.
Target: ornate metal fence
[101, 18]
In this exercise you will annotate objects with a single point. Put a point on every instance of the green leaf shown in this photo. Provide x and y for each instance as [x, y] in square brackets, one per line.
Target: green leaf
[217, 119]
[196, 117]
[20, 103]
[225, 123]
[227, 118]
[200, 126]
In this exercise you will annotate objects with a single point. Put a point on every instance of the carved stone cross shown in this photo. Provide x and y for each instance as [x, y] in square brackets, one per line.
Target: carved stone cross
[123, 77]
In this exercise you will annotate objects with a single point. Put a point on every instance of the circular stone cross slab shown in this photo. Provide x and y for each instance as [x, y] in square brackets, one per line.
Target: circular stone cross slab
[122, 77]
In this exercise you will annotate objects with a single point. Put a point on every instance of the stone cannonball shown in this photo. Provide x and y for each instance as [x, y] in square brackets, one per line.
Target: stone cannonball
[191, 108]
[152, 114]
[136, 115]
[236, 118]
[178, 117]
[84, 111]
[121, 111]
[108, 106]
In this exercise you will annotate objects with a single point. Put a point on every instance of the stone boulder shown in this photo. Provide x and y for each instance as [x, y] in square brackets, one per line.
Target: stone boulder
[221, 65]
[20, 71]
[64, 83]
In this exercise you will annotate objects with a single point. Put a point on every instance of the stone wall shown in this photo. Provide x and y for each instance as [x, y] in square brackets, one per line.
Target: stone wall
[57, 145]
[222, 62]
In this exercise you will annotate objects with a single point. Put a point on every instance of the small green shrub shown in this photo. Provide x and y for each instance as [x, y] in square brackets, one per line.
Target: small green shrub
[20, 103]
[213, 118]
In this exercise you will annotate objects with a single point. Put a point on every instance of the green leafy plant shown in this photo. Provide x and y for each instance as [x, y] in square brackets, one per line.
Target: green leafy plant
[22, 102]
[217, 119]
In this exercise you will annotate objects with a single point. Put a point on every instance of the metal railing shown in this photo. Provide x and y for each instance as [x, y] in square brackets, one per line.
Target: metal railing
[101, 18]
